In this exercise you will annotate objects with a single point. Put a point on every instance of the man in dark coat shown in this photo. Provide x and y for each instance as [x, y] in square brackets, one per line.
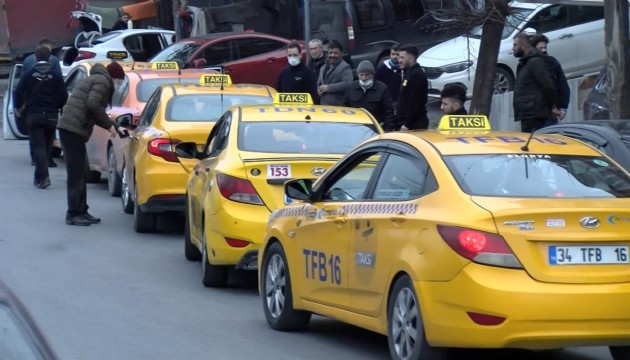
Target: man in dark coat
[390, 73]
[84, 109]
[540, 42]
[534, 91]
[334, 78]
[43, 90]
[453, 97]
[372, 95]
[411, 109]
[318, 58]
[297, 77]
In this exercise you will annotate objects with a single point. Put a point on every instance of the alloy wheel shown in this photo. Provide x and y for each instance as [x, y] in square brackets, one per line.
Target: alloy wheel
[275, 281]
[405, 320]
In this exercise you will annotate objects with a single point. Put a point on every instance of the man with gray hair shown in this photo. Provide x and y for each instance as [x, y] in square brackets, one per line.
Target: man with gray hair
[372, 95]
[318, 58]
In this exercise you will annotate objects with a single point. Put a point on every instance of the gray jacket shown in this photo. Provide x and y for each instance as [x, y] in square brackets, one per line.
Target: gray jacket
[338, 80]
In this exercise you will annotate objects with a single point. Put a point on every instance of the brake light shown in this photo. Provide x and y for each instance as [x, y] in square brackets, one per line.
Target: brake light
[236, 242]
[350, 32]
[485, 319]
[164, 148]
[479, 246]
[84, 55]
[239, 190]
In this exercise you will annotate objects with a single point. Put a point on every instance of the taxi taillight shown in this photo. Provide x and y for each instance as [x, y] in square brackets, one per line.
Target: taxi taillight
[164, 148]
[479, 246]
[239, 190]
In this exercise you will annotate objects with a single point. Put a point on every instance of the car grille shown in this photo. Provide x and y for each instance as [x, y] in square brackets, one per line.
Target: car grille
[432, 73]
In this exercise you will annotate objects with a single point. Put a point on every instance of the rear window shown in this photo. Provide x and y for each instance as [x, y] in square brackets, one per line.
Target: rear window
[302, 137]
[146, 87]
[208, 107]
[539, 176]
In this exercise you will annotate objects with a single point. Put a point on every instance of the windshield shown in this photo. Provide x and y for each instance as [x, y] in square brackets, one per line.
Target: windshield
[513, 21]
[208, 107]
[621, 126]
[539, 176]
[302, 137]
[179, 51]
[146, 87]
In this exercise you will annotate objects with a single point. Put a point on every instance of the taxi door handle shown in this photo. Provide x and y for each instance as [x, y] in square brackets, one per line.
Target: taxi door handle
[398, 219]
[566, 36]
[341, 220]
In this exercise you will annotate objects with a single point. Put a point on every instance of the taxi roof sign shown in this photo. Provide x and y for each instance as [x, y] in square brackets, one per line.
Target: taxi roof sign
[292, 99]
[464, 122]
[165, 65]
[220, 79]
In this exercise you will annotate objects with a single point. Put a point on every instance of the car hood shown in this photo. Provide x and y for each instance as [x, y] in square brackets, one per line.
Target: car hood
[450, 52]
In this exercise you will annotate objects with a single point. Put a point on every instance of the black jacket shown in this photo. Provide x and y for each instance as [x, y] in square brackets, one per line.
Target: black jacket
[316, 64]
[534, 91]
[390, 76]
[411, 109]
[376, 99]
[562, 85]
[298, 79]
[42, 89]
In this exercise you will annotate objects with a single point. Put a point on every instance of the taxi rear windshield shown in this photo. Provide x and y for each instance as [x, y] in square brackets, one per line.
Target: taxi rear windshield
[208, 107]
[302, 137]
[539, 176]
[146, 87]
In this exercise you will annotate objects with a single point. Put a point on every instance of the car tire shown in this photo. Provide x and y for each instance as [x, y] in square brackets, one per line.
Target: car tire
[404, 323]
[503, 81]
[113, 179]
[143, 222]
[190, 250]
[213, 276]
[620, 352]
[278, 298]
[125, 195]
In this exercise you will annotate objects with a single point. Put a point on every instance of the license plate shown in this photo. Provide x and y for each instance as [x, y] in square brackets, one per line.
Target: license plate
[588, 255]
[278, 171]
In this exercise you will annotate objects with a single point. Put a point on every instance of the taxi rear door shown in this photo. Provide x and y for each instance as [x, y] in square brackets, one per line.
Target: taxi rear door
[14, 126]
[324, 236]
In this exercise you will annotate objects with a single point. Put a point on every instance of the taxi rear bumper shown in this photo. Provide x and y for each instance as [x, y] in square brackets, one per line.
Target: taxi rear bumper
[536, 315]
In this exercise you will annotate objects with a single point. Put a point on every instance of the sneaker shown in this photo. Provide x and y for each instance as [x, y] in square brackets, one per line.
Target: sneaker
[44, 183]
[51, 163]
[78, 220]
[91, 219]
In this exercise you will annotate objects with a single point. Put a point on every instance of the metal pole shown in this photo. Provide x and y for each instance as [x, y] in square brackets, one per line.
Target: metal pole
[307, 23]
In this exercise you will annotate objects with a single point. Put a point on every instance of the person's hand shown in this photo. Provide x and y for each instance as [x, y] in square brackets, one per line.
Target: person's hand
[404, 128]
[113, 131]
[563, 114]
[322, 89]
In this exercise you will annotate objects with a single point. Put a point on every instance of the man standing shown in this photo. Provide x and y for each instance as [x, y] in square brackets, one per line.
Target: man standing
[43, 90]
[534, 91]
[334, 78]
[540, 42]
[297, 77]
[84, 109]
[372, 95]
[318, 59]
[411, 109]
[453, 97]
[122, 23]
[390, 73]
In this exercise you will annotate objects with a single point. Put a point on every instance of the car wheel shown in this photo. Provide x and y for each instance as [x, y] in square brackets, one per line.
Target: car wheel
[213, 276]
[190, 250]
[620, 352]
[113, 179]
[278, 297]
[503, 81]
[405, 330]
[125, 195]
[143, 222]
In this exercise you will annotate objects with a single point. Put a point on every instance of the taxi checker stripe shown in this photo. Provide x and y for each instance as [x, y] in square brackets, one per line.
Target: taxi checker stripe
[374, 208]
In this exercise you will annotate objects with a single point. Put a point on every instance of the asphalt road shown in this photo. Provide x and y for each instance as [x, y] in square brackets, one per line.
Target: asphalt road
[104, 292]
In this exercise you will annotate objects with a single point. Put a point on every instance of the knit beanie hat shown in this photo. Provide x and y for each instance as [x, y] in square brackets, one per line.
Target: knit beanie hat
[365, 67]
[115, 70]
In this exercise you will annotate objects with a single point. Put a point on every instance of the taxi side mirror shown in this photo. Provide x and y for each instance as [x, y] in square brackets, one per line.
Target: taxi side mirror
[298, 189]
[124, 120]
[187, 150]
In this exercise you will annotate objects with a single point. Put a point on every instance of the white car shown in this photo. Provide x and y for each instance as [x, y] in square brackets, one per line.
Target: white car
[125, 45]
[576, 39]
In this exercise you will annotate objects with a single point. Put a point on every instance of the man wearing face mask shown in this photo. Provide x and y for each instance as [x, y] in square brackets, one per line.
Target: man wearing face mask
[372, 95]
[84, 109]
[534, 89]
[334, 78]
[390, 73]
[297, 77]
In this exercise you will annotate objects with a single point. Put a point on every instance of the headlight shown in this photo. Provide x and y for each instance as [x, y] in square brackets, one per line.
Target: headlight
[457, 67]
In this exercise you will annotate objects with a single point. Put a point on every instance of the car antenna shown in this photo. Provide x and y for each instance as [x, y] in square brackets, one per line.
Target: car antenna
[526, 146]
[133, 65]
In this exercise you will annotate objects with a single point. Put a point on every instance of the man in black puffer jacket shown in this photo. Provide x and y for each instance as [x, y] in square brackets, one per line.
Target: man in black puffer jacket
[43, 91]
[84, 109]
[372, 95]
[534, 90]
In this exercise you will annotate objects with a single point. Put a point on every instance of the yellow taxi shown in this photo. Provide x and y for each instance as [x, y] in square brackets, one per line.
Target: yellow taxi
[458, 238]
[250, 153]
[154, 180]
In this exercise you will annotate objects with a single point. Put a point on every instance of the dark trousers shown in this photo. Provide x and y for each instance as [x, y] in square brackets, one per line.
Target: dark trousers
[531, 125]
[75, 154]
[41, 129]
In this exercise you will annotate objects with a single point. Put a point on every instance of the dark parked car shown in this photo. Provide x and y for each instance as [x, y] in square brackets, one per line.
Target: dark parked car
[20, 338]
[596, 104]
[611, 137]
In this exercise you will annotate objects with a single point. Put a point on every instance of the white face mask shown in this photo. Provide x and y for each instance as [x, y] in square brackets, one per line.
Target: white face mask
[366, 83]
[293, 61]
